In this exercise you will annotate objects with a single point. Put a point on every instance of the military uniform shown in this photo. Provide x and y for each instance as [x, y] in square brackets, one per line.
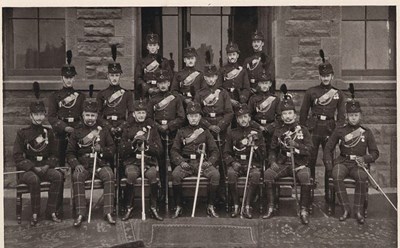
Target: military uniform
[186, 148]
[80, 152]
[35, 148]
[146, 68]
[134, 134]
[323, 100]
[65, 110]
[237, 154]
[354, 141]
[235, 78]
[188, 81]
[281, 164]
[254, 65]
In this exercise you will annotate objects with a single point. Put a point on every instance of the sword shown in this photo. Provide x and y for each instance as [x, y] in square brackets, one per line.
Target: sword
[203, 146]
[247, 179]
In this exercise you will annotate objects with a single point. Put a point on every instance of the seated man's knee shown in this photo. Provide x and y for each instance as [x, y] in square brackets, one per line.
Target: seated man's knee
[151, 174]
[269, 175]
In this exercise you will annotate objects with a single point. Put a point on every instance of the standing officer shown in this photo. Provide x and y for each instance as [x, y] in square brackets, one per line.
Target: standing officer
[254, 63]
[115, 102]
[138, 131]
[35, 153]
[87, 140]
[167, 111]
[145, 78]
[237, 154]
[65, 108]
[188, 81]
[354, 140]
[235, 77]
[185, 154]
[289, 136]
[323, 100]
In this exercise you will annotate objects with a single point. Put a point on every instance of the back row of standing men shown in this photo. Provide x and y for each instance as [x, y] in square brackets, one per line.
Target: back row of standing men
[264, 123]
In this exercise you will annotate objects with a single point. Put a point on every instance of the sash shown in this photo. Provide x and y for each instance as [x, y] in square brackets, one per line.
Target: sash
[164, 103]
[69, 99]
[211, 99]
[190, 79]
[152, 66]
[196, 133]
[233, 73]
[40, 142]
[265, 105]
[116, 95]
[88, 139]
[296, 134]
[327, 97]
[254, 63]
[353, 135]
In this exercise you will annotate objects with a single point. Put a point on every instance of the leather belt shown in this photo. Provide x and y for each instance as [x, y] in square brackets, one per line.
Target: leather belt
[350, 157]
[190, 156]
[163, 122]
[36, 158]
[214, 115]
[70, 119]
[264, 121]
[88, 155]
[112, 117]
[323, 117]
[152, 82]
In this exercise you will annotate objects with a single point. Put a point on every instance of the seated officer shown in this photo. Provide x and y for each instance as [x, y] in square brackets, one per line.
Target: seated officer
[87, 140]
[138, 131]
[289, 135]
[354, 140]
[185, 154]
[35, 152]
[237, 154]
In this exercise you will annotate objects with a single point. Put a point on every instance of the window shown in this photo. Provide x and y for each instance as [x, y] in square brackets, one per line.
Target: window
[34, 41]
[369, 41]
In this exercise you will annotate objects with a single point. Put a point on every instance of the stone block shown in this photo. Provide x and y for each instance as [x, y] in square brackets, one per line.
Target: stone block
[335, 28]
[91, 72]
[99, 13]
[86, 49]
[92, 39]
[101, 72]
[283, 13]
[306, 61]
[331, 46]
[283, 67]
[310, 41]
[106, 51]
[331, 13]
[305, 14]
[99, 31]
[128, 13]
[98, 23]
[308, 28]
[74, 28]
[93, 61]
[118, 40]
[123, 27]
[287, 46]
[309, 51]
[303, 73]
[70, 13]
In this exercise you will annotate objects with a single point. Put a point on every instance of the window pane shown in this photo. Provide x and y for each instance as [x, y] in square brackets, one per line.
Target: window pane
[170, 11]
[52, 13]
[170, 38]
[25, 49]
[52, 43]
[377, 13]
[24, 12]
[380, 45]
[353, 45]
[205, 10]
[353, 13]
[210, 40]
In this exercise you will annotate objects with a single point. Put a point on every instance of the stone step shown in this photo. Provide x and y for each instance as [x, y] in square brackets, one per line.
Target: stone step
[379, 111]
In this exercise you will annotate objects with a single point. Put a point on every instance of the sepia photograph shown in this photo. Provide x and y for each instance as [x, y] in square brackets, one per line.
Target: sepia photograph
[199, 126]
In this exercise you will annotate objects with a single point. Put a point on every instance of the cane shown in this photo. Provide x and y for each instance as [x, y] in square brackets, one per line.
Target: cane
[377, 185]
[223, 171]
[247, 179]
[93, 174]
[142, 169]
[202, 151]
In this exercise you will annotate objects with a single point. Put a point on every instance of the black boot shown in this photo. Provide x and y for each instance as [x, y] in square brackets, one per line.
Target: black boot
[249, 197]
[177, 189]
[212, 194]
[78, 221]
[360, 218]
[129, 198]
[235, 211]
[178, 212]
[110, 219]
[34, 220]
[153, 202]
[304, 215]
[269, 193]
[211, 211]
[305, 202]
[235, 197]
[345, 215]
[154, 214]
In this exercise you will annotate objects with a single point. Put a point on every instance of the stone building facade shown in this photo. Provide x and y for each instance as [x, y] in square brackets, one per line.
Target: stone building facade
[295, 35]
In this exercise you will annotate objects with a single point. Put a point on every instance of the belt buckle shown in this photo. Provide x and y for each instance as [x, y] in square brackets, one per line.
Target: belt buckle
[39, 158]
[243, 157]
[91, 155]
[164, 122]
[322, 117]
[114, 117]
[231, 89]
[188, 94]
[70, 119]
[263, 121]
[352, 157]
[153, 82]
[212, 115]
[288, 154]
[252, 80]
[193, 156]
[138, 156]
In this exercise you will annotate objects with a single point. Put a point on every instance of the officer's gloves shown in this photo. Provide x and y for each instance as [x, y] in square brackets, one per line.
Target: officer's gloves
[205, 165]
[185, 165]
[68, 129]
[236, 166]
[79, 168]
[274, 166]
[215, 128]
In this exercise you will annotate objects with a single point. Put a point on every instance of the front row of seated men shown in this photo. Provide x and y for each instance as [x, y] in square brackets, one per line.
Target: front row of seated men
[34, 153]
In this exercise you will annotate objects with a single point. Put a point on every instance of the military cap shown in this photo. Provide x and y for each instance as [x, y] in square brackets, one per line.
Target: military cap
[139, 105]
[152, 38]
[232, 47]
[68, 70]
[90, 106]
[189, 52]
[263, 76]
[210, 69]
[257, 36]
[193, 108]
[163, 75]
[37, 107]
[287, 104]
[242, 110]
[325, 68]
[353, 107]
[114, 67]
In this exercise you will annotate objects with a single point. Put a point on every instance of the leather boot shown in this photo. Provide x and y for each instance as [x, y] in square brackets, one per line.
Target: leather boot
[269, 213]
[54, 218]
[178, 212]
[34, 220]
[110, 219]
[249, 197]
[235, 211]
[304, 215]
[269, 193]
[346, 214]
[360, 218]
[247, 212]
[212, 194]
[211, 211]
[129, 198]
[234, 193]
[177, 190]
[154, 214]
[78, 221]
